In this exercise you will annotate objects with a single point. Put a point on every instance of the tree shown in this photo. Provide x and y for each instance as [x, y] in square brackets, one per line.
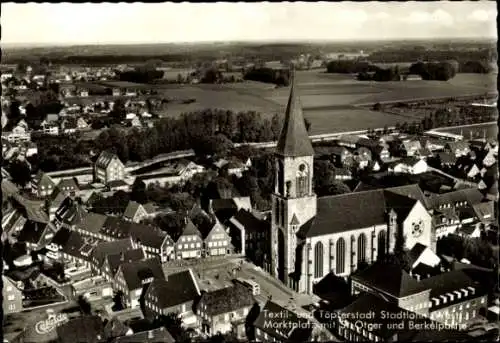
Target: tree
[84, 305]
[173, 323]
[20, 172]
[139, 192]
[324, 176]
[118, 302]
[118, 112]
[252, 315]
[338, 187]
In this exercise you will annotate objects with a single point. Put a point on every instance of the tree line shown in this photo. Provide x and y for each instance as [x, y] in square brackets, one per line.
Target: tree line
[268, 75]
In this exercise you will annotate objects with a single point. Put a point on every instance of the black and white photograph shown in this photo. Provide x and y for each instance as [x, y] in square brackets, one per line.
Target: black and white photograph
[272, 172]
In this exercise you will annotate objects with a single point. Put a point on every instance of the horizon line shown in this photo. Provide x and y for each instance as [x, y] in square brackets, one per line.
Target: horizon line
[268, 41]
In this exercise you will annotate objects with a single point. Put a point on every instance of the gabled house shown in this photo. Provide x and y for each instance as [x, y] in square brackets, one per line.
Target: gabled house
[12, 296]
[224, 209]
[175, 293]
[103, 249]
[108, 167]
[410, 147]
[250, 236]
[189, 244]
[42, 184]
[36, 235]
[56, 200]
[81, 124]
[113, 261]
[408, 165]
[135, 212]
[70, 186]
[339, 155]
[490, 158]
[218, 309]
[155, 242]
[447, 159]
[217, 241]
[348, 141]
[460, 148]
[131, 278]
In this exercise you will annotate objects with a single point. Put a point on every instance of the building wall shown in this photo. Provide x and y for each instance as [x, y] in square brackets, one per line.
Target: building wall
[417, 215]
[188, 247]
[287, 200]
[460, 312]
[12, 297]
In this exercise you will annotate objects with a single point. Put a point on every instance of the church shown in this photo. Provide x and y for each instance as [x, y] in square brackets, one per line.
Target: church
[311, 236]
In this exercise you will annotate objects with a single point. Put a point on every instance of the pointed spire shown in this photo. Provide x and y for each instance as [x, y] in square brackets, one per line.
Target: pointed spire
[294, 140]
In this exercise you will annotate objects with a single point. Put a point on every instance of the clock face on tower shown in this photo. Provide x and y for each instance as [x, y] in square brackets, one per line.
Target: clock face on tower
[417, 228]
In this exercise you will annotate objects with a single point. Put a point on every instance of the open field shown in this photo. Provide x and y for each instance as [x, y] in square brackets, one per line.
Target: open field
[475, 131]
[330, 101]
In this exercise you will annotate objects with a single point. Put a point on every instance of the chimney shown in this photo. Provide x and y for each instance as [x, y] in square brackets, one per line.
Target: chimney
[150, 334]
[122, 256]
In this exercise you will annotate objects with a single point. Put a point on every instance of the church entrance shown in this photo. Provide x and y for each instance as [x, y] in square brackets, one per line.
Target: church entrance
[281, 255]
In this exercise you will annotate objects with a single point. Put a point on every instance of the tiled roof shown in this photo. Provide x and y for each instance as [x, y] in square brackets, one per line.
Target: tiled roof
[249, 221]
[175, 289]
[226, 300]
[411, 191]
[104, 159]
[294, 140]
[104, 249]
[79, 246]
[57, 198]
[136, 272]
[470, 195]
[190, 229]
[160, 335]
[61, 237]
[449, 282]
[447, 158]
[389, 279]
[92, 222]
[149, 236]
[131, 209]
[68, 183]
[116, 259]
[32, 232]
[416, 252]
[89, 329]
[425, 271]
[360, 210]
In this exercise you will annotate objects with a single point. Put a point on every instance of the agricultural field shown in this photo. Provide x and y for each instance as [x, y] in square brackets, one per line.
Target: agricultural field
[490, 130]
[330, 101]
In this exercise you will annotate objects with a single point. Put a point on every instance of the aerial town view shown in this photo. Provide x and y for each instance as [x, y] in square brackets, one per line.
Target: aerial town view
[250, 172]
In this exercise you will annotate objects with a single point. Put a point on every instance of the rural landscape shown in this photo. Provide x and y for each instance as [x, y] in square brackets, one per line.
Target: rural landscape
[317, 184]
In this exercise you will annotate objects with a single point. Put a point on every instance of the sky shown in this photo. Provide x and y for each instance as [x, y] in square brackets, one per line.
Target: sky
[111, 23]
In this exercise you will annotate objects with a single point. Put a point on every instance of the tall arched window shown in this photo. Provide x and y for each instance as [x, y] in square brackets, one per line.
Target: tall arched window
[318, 260]
[340, 256]
[277, 211]
[381, 244]
[280, 178]
[362, 248]
[302, 180]
[282, 213]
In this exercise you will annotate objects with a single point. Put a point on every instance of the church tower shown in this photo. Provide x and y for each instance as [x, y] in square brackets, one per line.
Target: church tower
[293, 200]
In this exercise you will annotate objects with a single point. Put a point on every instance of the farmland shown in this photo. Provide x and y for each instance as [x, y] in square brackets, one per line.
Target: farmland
[330, 101]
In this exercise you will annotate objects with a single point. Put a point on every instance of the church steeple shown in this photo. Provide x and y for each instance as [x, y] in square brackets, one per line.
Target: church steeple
[294, 140]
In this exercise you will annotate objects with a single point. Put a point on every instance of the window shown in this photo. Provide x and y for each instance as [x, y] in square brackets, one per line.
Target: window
[302, 180]
[340, 256]
[11, 297]
[361, 248]
[318, 260]
[9, 288]
[198, 245]
[12, 307]
[192, 245]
